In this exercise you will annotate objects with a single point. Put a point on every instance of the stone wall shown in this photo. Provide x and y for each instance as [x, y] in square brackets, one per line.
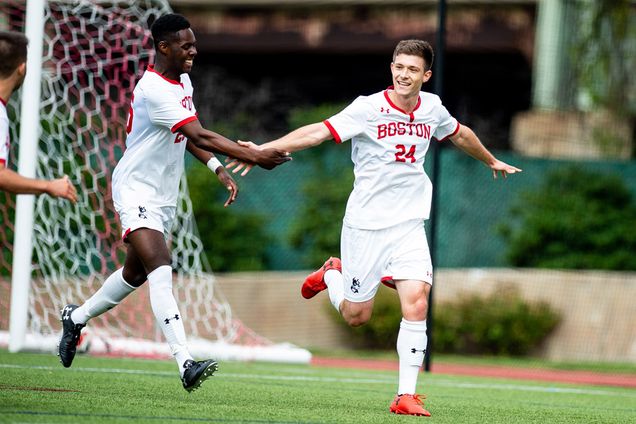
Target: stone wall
[559, 134]
[598, 308]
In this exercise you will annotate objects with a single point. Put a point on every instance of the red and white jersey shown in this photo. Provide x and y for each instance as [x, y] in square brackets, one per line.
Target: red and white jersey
[4, 134]
[388, 147]
[150, 170]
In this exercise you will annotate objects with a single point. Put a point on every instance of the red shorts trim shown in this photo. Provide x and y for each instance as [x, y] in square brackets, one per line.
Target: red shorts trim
[388, 281]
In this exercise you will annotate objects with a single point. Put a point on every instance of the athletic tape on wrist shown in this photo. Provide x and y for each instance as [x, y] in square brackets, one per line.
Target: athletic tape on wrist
[214, 164]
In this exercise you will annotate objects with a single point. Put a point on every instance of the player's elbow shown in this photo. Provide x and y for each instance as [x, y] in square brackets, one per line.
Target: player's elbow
[4, 177]
[463, 137]
[199, 138]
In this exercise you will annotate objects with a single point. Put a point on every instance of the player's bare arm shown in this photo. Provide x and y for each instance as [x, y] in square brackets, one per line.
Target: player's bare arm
[15, 183]
[302, 138]
[468, 141]
[213, 142]
[224, 177]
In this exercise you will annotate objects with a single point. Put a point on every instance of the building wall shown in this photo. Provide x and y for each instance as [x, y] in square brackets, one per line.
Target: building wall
[597, 308]
[357, 27]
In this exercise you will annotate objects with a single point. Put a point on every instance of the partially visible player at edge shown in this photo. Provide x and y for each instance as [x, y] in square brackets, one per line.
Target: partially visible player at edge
[13, 56]
[383, 237]
[162, 124]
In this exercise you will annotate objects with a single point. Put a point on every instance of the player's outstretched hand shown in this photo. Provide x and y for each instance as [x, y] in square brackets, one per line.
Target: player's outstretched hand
[237, 164]
[63, 188]
[267, 158]
[503, 168]
[271, 158]
[229, 183]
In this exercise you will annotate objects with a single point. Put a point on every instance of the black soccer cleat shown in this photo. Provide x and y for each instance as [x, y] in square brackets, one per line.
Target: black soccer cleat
[70, 336]
[197, 372]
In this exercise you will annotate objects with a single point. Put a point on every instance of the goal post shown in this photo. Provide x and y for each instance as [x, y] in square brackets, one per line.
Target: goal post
[92, 53]
[29, 134]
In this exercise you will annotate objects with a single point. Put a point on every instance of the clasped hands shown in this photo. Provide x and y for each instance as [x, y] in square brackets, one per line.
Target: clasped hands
[239, 165]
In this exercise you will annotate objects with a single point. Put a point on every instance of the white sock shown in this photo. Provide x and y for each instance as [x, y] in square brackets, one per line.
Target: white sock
[411, 347]
[335, 287]
[113, 291]
[166, 311]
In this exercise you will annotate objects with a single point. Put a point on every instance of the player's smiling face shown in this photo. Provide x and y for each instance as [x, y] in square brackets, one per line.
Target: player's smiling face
[409, 74]
[182, 51]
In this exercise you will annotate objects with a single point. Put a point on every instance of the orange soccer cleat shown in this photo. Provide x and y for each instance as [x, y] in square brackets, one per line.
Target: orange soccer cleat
[409, 405]
[315, 282]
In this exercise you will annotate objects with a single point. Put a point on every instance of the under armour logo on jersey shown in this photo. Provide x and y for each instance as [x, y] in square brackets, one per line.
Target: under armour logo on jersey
[355, 285]
[413, 350]
[142, 212]
[385, 110]
[167, 320]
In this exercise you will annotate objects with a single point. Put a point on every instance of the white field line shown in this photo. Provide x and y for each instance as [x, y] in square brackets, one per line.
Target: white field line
[305, 378]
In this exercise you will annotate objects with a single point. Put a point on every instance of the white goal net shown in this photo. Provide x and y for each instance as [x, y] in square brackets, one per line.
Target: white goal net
[94, 52]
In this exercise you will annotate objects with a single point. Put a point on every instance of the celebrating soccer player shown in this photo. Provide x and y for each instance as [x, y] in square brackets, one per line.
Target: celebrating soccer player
[383, 237]
[162, 124]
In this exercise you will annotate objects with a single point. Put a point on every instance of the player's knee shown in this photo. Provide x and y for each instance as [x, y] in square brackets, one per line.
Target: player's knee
[155, 261]
[356, 321]
[138, 280]
[416, 310]
[357, 318]
[134, 278]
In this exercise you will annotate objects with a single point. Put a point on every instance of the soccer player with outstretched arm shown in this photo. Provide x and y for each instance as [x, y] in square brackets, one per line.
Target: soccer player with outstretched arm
[383, 238]
[13, 56]
[162, 124]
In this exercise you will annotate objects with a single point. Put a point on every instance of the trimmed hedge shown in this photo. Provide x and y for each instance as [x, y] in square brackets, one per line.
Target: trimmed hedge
[502, 323]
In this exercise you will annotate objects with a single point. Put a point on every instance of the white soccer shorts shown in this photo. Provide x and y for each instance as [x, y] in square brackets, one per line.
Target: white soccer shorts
[370, 256]
[136, 216]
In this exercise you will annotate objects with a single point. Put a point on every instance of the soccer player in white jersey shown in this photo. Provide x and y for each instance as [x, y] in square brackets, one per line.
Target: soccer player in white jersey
[13, 54]
[383, 237]
[162, 124]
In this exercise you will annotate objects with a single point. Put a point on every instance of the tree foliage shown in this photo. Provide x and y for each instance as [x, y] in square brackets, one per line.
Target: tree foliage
[316, 228]
[577, 219]
[604, 53]
[233, 241]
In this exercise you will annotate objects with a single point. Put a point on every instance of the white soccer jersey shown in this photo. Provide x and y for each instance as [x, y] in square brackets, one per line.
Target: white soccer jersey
[150, 170]
[388, 147]
[4, 134]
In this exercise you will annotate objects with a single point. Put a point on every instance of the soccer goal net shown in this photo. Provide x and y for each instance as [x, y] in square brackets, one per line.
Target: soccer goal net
[93, 54]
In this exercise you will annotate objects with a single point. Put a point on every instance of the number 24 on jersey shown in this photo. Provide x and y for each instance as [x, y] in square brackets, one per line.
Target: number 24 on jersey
[403, 155]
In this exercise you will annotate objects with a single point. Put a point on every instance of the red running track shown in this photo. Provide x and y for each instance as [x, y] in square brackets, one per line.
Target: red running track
[540, 374]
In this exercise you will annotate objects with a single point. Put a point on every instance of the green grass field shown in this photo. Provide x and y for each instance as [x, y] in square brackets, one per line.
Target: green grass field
[35, 388]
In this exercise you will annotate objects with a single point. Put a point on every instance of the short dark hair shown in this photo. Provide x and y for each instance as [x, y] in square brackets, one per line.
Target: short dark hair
[416, 48]
[165, 28]
[13, 51]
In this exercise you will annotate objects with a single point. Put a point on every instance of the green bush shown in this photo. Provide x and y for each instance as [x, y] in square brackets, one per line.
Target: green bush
[576, 219]
[232, 241]
[499, 324]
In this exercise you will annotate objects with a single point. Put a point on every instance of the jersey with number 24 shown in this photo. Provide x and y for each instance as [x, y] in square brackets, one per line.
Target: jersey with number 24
[388, 147]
